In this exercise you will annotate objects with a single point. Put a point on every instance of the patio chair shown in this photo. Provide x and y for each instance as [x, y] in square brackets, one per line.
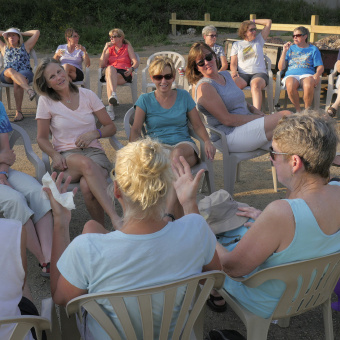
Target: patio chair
[9, 86]
[331, 88]
[232, 160]
[132, 86]
[309, 284]
[19, 132]
[279, 87]
[48, 322]
[178, 61]
[204, 163]
[267, 102]
[190, 310]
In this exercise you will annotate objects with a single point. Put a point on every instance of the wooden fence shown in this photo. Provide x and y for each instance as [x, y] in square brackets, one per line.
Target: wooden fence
[314, 27]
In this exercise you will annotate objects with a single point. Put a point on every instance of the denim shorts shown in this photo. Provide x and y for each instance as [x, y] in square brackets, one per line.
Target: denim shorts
[26, 73]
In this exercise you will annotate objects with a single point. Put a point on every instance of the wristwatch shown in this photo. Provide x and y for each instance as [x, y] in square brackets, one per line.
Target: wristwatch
[4, 173]
[132, 68]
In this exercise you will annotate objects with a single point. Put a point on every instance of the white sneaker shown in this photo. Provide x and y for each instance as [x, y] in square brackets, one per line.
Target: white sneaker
[110, 111]
[113, 100]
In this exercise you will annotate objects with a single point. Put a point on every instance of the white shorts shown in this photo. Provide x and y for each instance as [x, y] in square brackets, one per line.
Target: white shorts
[298, 78]
[337, 84]
[248, 137]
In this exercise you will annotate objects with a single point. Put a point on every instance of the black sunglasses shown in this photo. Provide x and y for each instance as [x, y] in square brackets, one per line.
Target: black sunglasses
[297, 35]
[208, 57]
[212, 35]
[160, 76]
[272, 153]
[252, 30]
[114, 36]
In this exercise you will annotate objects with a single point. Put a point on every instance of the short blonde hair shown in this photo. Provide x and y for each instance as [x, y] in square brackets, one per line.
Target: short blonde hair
[120, 33]
[158, 65]
[310, 135]
[143, 175]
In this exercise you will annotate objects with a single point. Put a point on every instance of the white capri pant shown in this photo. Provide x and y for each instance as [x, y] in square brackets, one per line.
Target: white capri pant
[24, 200]
[248, 137]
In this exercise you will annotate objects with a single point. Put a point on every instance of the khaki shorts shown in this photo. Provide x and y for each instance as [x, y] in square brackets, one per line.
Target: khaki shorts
[97, 155]
[171, 147]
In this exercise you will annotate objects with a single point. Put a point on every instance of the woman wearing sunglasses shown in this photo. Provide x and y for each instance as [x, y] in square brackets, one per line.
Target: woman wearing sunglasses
[72, 55]
[224, 106]
[247, 60]
[118, 61]
[209, 34]
[166, 113]
[304, 68]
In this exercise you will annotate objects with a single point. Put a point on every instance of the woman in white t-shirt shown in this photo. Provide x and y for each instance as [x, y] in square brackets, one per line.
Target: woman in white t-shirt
[69, 112]
[247, 60]
[72, 55]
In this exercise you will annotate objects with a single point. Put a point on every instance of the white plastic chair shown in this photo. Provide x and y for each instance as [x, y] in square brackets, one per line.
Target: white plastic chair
[190, 310]
[48, 322]
[86, 82]
[231, 160]
[19, 132]
[279, 87]
[178, 61]
[317, 278]
[132, 85]
[269, 88]
[204, 163]
[331, 89]
[8, 86]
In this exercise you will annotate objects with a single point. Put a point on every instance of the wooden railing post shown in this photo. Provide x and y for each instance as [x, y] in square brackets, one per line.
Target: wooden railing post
[314, 21]
[173, 26]
[252, 16]
[206, 18]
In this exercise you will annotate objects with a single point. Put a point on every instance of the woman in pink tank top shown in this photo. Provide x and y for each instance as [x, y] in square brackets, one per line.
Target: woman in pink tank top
[118, 61]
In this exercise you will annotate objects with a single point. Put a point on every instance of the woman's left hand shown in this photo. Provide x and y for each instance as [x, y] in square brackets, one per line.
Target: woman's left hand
[249, 212]
[210, 150]
[80, 47]
[84, 140]
[128, 72]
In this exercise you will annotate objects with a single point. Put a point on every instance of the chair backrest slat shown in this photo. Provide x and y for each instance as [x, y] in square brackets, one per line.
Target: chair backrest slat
[168, 307]
[145, 307]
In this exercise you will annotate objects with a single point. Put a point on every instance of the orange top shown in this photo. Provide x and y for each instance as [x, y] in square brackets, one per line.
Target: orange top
[119, 59]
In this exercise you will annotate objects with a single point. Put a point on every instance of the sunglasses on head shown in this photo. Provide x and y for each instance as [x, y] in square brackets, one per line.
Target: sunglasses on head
[161, 76]
[272, 153]
[297, 35]
[114, 36]
[208, 57]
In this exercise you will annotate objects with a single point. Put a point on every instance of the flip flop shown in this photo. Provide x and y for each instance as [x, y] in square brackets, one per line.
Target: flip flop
[331, 111]
[19, 119]
[47, 267]
[216, 308]
[31, 94]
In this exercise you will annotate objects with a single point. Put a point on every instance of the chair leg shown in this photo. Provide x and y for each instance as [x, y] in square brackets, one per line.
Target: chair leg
[327, 320]
[258, 330]
[274, 177]
[238, 172]
[283, 323]
[8, 94]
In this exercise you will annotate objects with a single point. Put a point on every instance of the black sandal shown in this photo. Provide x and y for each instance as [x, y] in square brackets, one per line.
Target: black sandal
[47, 267]
[216, 308]
[31, 94]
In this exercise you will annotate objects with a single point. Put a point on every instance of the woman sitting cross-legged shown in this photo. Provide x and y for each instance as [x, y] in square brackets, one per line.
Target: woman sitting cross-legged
[17, 67]
[166, 113]
[146, 251]
[306, 225]
[69, 112]
[224, 106]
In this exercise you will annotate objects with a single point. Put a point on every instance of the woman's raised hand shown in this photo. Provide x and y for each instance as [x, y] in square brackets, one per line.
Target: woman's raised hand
[186, 185]
[286, 46]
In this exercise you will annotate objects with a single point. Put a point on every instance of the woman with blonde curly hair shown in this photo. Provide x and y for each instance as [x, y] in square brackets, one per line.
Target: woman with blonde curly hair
[146, 251]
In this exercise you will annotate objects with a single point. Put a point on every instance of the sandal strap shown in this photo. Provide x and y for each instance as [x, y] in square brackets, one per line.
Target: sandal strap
[216, 298]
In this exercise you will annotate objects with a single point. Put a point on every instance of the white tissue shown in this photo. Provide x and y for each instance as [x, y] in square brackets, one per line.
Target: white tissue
[65, 199]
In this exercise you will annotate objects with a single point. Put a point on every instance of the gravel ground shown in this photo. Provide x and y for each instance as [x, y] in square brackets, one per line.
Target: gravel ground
[255, 188]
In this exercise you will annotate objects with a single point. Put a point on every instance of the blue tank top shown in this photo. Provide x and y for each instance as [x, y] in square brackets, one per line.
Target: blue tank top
[17, 58]
[309, 242]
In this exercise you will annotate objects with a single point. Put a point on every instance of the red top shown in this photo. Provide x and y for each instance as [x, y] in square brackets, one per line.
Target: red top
[119, 59]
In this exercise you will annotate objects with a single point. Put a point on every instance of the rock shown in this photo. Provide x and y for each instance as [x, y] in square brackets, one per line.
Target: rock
[332, 42]
[191, 31]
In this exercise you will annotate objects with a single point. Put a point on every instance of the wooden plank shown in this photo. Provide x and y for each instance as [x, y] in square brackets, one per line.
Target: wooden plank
[173, 26]
[314, 21]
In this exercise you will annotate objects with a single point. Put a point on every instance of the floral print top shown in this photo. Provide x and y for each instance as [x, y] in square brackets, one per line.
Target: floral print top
[17, 58]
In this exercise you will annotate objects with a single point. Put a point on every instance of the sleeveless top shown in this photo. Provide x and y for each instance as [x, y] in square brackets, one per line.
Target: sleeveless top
[309, 242]
[11, 264]
[119, 59]
[233, 98]
[17, 58]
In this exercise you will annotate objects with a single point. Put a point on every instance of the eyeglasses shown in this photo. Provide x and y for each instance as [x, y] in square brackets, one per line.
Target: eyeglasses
[297, 35]
[272, 153]
[252, 30]
[114, 36]
[212, 35]
[75, 36]
[161, 76]
[208, 57]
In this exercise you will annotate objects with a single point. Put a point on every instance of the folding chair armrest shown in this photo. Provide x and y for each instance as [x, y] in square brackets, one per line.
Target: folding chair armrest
[87, 82]
[46, 161]
[116, 144]
[144, 79]
[193, 134]
[48, 311]
[222, 136]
